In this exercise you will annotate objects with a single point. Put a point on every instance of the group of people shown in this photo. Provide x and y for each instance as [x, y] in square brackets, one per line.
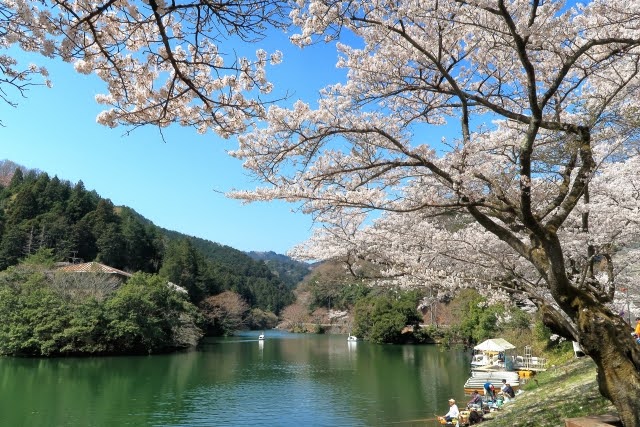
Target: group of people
[476, 399]
[474, 415]
[505, 390]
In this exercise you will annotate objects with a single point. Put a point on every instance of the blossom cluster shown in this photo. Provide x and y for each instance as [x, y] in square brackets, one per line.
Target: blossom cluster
[162, 62]
[545, 98]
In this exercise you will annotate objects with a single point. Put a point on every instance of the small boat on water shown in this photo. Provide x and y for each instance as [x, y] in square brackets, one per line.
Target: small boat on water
[261, 336]
[352, 338]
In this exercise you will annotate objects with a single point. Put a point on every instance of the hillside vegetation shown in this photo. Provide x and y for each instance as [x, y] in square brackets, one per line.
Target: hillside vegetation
[42, 212]
[290, 271]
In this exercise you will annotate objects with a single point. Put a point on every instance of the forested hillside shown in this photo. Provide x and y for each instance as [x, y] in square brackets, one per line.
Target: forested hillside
[290, 271]
[38, 211]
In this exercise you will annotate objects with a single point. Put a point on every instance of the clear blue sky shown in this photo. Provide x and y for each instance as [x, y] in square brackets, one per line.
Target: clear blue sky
[171, 183]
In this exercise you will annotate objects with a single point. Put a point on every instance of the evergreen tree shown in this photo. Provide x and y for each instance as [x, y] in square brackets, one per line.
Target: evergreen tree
[80, 203]
[111, 246]
[24, 207]
[103, 215]
[181, 265]
[139, 244]
[39, 190]
[16, 179]
[53, 231]
[11, 247]
[56, 194]
[82, 241]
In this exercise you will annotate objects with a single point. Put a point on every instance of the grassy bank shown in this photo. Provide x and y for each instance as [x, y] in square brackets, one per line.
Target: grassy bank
[564, 391]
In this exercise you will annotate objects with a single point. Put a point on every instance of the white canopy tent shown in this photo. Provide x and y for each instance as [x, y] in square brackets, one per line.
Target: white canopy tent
[495, 352]
[495, 345]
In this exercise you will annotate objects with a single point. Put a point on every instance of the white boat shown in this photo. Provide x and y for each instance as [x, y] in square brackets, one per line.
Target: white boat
[480, 359]
[493, 354]
[261, 336]
[479, 378]
[352, 338]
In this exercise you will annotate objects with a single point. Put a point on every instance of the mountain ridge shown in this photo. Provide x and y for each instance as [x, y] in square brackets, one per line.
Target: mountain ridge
[37, 211]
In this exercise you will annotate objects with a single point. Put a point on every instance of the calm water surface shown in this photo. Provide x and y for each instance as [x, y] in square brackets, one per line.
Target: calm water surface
[287, 380]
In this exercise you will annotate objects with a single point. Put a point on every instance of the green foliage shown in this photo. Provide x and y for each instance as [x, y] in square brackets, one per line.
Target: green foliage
[381, 318]
[135, 319]
[39, 212]
[31, 314]
[553, 347]
[429, 334]
[142, 316]
[11, 246]
[476, 320]
[86, 331]
[324, 293]
[540, 331]
[289, 271]
[222, 268]
[260, 319]
[42, 257]
[351, 293]
[111, 246]
[519, 320]
[336, 294]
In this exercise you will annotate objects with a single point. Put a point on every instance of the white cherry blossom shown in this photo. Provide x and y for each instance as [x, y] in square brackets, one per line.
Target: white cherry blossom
[536, 199]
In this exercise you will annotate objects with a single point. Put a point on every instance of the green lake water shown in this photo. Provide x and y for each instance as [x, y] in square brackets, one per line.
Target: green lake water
[286, 380]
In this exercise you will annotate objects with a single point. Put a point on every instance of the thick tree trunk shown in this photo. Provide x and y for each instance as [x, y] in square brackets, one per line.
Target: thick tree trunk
[607, 339]
[602, 334]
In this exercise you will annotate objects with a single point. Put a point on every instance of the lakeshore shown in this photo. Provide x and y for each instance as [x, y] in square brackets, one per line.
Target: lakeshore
[567, 390]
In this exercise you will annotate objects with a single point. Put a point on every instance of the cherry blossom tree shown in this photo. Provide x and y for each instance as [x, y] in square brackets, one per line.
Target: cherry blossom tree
[536, 195]
[163, 62]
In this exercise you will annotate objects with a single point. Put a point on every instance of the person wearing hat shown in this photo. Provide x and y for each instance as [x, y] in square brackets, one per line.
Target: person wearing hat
[453, 411]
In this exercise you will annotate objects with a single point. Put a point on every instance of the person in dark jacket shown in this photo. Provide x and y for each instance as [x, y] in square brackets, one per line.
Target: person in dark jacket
[508, 391]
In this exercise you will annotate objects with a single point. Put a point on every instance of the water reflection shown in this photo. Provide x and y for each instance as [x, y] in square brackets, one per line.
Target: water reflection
[287, 379]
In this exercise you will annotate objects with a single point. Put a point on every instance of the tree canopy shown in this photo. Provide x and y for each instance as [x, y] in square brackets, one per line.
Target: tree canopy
[38, 212]
[535, 195]
[163, 62]
[52, 314]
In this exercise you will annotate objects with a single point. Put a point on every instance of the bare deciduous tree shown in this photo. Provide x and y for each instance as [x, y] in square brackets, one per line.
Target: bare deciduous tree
[225, 312]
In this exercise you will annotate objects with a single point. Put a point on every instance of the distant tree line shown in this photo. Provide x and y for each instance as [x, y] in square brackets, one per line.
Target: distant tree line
[391, 315]
[41, 212]
[290, 271]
